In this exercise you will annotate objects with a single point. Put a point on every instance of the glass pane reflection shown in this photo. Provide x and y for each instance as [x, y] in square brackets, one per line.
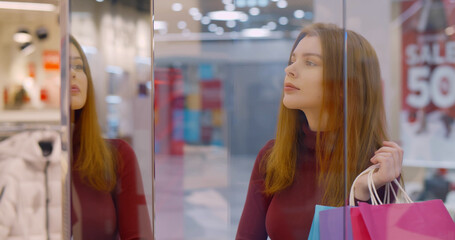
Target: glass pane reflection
[112, 152]
[218, 89]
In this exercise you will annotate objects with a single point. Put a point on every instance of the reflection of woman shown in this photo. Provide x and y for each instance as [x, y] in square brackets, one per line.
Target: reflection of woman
[107, 197]
[304, 166]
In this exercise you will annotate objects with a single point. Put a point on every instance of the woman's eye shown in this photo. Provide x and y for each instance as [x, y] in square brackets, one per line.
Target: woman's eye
[77, 67]
[310, 63]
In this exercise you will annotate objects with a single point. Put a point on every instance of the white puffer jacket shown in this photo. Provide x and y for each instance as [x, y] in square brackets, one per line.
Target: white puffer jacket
[27, 179]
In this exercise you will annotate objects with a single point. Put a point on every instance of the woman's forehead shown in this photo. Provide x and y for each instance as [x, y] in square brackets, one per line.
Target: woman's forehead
[74, 52]
[309, 45]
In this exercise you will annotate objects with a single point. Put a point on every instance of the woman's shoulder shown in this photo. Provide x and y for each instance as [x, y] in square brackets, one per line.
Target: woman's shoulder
[267, 147]
[264, 151]
[257, 171]
[119, 144]
[123, 150]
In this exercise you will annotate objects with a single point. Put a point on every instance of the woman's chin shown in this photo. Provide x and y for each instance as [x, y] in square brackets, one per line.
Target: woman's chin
[76, 106]
[291, 104]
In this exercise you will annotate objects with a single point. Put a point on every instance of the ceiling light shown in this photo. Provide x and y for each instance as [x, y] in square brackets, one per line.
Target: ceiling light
[271, 26]
[181, 24]
[226, 15]
[159, 25]
[177, 7]
[229, 7]
[230, 24]
[22, 36]
[283, 20]
[254, 11]
[255, 32]
[100, 0]
[299, 14]
[212, 27]
[205, 20]
[282, 4]
[27, 6]
[193, 11]
[244, 18]
[219, 31]
[227, 1]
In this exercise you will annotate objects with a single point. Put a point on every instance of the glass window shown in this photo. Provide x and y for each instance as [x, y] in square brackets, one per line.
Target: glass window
[413, 42]
[112, 171]
[219, 81]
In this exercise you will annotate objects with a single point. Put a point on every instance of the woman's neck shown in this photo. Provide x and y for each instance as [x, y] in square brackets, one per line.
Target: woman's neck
[315, 121]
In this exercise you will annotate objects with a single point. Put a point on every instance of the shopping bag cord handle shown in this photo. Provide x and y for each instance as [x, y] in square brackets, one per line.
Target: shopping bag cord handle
[374, 196]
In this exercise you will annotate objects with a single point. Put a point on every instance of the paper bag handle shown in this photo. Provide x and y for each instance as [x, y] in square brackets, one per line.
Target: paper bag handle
[374, 196]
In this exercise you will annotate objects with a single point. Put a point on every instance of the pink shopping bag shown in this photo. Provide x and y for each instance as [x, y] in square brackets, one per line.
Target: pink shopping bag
[418, 221]
[359, 230]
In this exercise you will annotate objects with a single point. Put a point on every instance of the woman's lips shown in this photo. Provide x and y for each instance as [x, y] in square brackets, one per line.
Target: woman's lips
[75, 89]
[290, 87]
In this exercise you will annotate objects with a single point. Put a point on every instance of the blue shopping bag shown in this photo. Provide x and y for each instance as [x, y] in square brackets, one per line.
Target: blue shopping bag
[314, 231]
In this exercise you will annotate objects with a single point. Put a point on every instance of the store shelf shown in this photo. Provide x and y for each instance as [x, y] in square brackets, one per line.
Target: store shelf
[44, 115]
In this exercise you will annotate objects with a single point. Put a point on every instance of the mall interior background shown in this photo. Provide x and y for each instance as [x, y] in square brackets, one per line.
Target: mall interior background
[218, 68]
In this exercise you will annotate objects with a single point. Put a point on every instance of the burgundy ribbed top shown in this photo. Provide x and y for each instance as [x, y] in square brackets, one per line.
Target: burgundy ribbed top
[289, 213]
[121, 214]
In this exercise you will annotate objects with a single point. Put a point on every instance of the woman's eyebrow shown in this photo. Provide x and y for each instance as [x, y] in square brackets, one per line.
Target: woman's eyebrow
[309, 54]
[312, 54]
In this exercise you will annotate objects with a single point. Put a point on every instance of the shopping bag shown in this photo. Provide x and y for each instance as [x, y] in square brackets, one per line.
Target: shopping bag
[420, 220]
[359, 230]
[407, 220]
[314, 230]
[332, 223]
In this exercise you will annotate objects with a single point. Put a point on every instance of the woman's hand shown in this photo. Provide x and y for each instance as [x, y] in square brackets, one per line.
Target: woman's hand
[390, 160]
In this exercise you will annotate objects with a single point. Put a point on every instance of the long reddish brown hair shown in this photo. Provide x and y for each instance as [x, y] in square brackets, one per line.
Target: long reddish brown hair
[96, 161]
[366, 117]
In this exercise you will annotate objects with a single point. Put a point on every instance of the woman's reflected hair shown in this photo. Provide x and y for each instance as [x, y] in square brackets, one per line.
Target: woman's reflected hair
[95, 161]
[366, 126]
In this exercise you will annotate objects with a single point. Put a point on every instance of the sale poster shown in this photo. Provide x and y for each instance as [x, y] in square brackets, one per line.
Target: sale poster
[428, 78]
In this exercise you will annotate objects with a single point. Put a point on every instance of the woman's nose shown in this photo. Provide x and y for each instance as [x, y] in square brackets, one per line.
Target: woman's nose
[289, 70]
[72, 72]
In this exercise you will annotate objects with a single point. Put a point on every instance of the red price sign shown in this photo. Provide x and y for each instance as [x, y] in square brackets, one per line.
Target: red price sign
[428, 70]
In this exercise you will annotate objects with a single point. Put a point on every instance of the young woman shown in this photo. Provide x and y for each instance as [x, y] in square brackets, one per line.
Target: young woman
[107, 197]
[304, 165]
